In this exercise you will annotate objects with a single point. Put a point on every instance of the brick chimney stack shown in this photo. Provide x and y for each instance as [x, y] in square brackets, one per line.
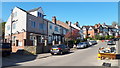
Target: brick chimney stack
[54, 19]
[69, 23]
[77, 24]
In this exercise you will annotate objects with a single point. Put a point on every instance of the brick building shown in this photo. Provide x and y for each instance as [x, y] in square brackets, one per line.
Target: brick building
[27, 30]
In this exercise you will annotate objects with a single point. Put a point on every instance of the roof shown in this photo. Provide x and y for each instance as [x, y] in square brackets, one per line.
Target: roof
[110, 26]
[32, 10]
[93, 27]
[53, 23]
[87, 27]
[22, 9]
[63, 24]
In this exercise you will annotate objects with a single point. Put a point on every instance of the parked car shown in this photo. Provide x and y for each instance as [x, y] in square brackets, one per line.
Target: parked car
[115, 39]
[83, 45]
[92, 42]
[95, 42]
[107, 40]
[59, 49]
[111, 42]
[5, 49]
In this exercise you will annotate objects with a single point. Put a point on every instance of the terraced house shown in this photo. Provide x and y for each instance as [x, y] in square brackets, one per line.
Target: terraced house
[30, 31]
[101, 29]
[27, 30]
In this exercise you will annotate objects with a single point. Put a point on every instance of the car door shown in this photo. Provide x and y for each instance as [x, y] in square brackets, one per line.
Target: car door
[66, 48]
[63, 48]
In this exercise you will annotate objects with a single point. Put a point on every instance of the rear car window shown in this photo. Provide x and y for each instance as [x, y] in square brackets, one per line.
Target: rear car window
[54, 46]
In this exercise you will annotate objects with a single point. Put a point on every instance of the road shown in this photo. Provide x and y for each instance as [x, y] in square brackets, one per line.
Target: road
[81, 57]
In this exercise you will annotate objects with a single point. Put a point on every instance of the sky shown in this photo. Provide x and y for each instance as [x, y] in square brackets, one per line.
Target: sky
[86, 13]
[60, 0]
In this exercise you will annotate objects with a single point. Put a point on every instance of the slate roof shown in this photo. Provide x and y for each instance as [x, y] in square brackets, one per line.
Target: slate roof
[32, 10]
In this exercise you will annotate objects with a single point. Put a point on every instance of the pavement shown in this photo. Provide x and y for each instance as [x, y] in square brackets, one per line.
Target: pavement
[77, 57]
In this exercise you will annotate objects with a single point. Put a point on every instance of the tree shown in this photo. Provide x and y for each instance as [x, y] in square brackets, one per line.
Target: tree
[72, 35]
[2, 26]
[114, 23]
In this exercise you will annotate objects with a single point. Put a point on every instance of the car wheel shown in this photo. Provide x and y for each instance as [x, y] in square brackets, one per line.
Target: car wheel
[68, 51]
[52, 53]
[61, 52]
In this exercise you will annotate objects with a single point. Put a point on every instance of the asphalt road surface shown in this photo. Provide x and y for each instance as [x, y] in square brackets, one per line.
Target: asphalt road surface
[80, 57]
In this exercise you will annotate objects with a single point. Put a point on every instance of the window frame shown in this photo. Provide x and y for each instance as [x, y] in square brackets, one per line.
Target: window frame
[33, 24]
[56, 28]
[8, 27]
[50, 26]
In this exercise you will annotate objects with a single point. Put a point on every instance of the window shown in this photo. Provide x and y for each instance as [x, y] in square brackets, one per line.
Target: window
[39, 39]
[33, 24]
[14, 14]
[50, 39]
[50, 26]
[19, 43]
[42, 38]
[64, 31]
[41, 26]
[31, 37]
[14, 26]
[8, 27]
[13, 39]
[56, 28]
[45, 26]
[40, 15]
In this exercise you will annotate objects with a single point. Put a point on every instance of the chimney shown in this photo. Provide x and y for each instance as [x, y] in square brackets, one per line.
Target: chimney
[77, 24]
[69, 23]
[54, 19]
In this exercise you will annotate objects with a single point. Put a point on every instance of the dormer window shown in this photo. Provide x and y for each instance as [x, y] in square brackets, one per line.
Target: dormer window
[40, 15]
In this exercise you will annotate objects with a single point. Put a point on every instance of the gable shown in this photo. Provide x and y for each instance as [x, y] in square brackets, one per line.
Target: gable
[40, 10]
[84, 28]
[90, 28]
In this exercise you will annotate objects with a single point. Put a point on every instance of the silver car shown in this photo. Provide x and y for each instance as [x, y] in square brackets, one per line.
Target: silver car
[110, 42]
[82, 45]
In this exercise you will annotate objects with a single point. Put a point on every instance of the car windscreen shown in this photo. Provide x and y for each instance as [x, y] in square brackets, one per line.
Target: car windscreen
[110, 41]
[80, 43]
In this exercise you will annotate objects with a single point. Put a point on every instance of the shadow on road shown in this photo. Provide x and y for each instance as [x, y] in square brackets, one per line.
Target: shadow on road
[88, 46]
[17, 57]
[63, 54]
